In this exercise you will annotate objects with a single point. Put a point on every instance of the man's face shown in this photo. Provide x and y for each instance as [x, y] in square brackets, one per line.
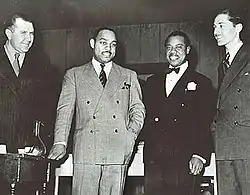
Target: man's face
[21, 36]
[224, 30]
[104, 46]
[176, 50]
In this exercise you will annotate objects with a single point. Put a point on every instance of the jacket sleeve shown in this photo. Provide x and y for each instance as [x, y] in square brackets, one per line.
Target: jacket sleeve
[65, 108]
[136, 106]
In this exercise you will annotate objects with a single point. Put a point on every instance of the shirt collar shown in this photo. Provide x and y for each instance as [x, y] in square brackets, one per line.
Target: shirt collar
[97, 66]
[233, 51]
[10, 51]
[183, 67]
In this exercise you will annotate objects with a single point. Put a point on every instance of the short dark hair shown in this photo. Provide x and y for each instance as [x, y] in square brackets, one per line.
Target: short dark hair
[232, 16]
[96, 32]
[178, 33]
[10, 22]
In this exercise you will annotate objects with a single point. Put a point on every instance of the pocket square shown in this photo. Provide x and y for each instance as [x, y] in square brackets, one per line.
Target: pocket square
[246, 73]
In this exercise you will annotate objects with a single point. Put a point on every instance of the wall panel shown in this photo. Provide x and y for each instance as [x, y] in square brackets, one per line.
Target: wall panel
[150, 41]
[55, 47]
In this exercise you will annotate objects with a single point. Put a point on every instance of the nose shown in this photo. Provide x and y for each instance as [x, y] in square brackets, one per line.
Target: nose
[28, 37]
[216, 31]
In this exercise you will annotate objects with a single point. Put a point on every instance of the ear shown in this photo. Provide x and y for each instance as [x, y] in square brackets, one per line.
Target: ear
[92, 43]
[8, 33]
[239, 27]
[188, 49]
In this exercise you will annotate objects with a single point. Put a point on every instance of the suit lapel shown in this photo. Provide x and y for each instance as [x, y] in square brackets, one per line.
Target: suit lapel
[115, 79]
[237, 65]
[180, 85]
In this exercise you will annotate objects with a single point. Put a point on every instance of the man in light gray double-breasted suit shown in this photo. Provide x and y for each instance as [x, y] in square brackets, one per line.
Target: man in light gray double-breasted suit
[109, 111]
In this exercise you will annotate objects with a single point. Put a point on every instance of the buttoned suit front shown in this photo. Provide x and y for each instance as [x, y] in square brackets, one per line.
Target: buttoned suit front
[176, 128]
[108, 121]
[232, 124]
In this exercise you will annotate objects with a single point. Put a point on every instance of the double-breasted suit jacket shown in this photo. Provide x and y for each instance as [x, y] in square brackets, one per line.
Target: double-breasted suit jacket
[108, 119]
[177, 126]
[232, 122]
[31, 96]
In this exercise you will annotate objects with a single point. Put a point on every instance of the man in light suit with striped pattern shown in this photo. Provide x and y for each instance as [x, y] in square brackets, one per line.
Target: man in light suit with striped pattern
[107, 101]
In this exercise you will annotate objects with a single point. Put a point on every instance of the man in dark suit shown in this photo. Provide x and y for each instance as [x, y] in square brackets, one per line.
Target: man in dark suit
[232, 124]
[29, 87]
[179, 104]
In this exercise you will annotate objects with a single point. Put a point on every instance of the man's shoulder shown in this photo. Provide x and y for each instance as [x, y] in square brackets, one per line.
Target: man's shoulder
[123, 69]
[79, 68]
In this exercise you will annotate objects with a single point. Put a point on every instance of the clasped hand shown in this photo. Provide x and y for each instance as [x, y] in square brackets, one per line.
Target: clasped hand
[195, 166]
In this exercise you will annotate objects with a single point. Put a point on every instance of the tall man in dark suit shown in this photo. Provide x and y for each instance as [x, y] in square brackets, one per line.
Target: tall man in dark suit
[29, 87]
[232, 124]
[179, 105]
[107, 101]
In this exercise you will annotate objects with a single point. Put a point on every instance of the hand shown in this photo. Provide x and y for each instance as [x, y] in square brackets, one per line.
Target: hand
[57, 152]
[195, 166]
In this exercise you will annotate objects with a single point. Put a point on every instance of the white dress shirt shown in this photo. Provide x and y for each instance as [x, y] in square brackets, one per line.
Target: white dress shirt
[10, 52]
[172, 78]
[98, 68]
[233, 51]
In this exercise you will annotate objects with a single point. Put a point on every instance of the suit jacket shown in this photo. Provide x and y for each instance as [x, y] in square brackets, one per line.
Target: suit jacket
[108, 119]
[177, 126]
[232, 122]
[30, 96]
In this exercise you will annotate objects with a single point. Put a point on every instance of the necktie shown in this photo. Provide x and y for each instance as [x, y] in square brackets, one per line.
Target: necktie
[16, 65]
[102, 76]
[176, 70]
[222, 70]
[226, 62]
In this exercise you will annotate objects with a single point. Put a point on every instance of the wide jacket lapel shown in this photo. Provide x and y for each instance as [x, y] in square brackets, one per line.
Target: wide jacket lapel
[116, 79]
[237, 65]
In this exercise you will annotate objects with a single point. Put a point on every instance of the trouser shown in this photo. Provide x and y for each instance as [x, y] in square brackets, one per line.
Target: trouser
[233, 177]
[99, 179]
[170, 181]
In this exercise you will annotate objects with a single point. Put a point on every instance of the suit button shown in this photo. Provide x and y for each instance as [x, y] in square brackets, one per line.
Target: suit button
[156, 119]
[91, 131]
[116, 131]
[236, 123]
[94, 117]
[117, 101]
[236, 107]
[114, 116]
[88, 102]
[239, 90]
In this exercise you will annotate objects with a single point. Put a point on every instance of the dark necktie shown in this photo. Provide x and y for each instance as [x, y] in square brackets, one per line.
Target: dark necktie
[16, 65]
[226, 62]
[102, 76]
[223, 67]
[176, 70]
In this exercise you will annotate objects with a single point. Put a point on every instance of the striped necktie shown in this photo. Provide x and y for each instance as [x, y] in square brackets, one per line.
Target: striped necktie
[16, 65]
[102, 76]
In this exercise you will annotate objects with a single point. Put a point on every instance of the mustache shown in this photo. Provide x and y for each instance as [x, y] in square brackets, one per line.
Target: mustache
[107, 52]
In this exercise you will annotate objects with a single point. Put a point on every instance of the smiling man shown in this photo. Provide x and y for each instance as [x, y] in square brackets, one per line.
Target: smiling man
[109, 111]
[231, 124]
[180, 104]
[29, 88]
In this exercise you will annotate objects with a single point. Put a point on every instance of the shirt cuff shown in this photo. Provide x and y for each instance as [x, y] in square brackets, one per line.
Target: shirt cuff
[199, 157]
[63, 143]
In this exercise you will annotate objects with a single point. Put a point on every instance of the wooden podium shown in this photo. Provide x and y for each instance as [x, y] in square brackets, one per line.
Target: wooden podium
[16, 169]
